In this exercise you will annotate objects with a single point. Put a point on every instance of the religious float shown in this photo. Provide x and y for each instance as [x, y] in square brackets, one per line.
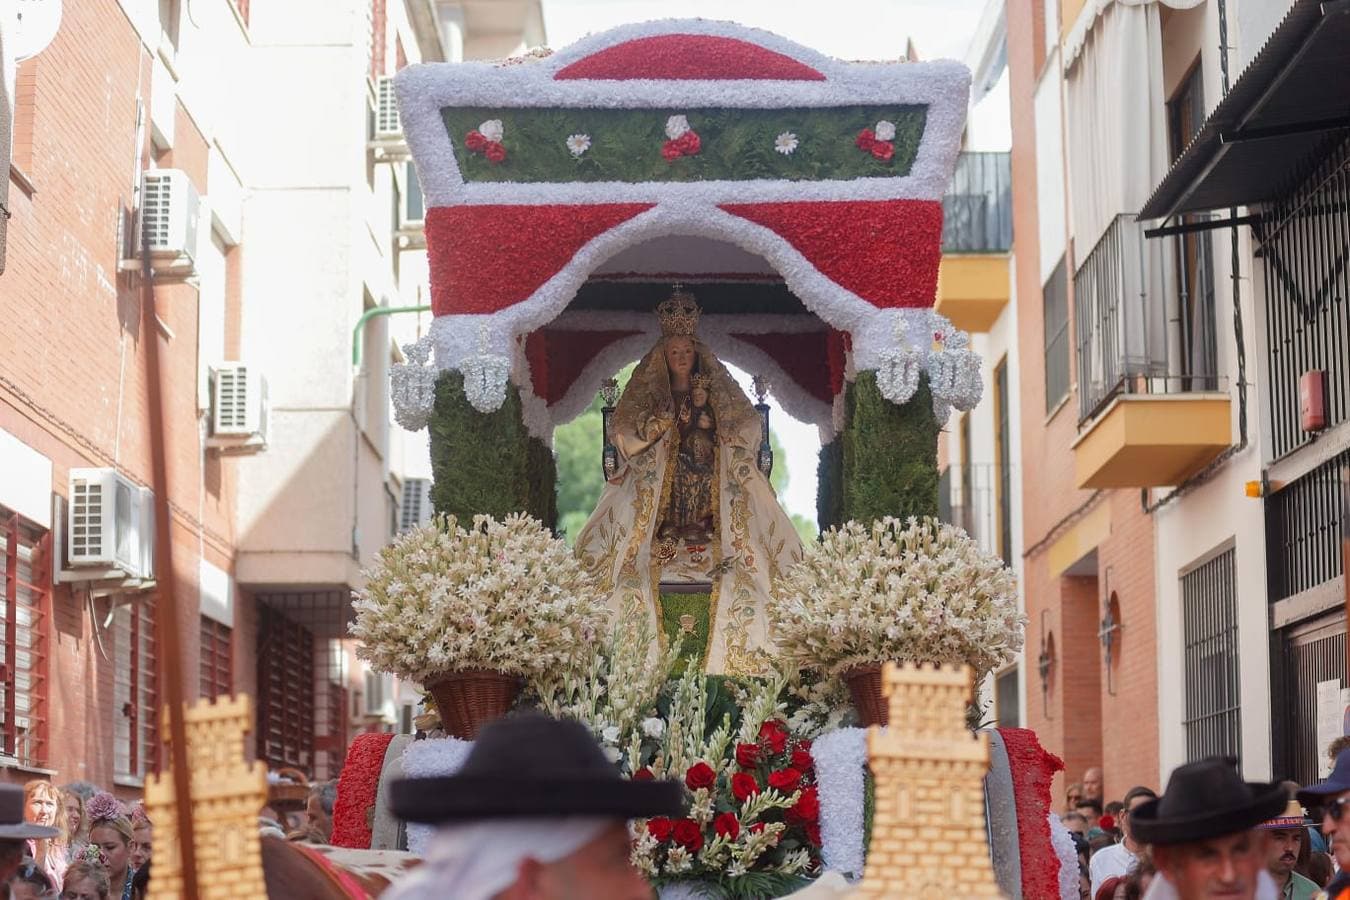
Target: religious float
[692, 196]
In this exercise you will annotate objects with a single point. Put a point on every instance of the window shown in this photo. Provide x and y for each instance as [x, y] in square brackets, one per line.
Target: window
[1210, 637]
[24, 579]
[135, 690]
[217, 662]
[285, 691]
[1056, 304]
[1007, 709]
[1003, 449]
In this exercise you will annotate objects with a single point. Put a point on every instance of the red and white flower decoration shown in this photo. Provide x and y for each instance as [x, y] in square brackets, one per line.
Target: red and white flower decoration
[878, 141]
[487, 140]
[682, 140]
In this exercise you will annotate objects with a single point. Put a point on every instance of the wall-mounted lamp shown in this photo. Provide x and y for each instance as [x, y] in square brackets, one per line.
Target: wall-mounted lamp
[1045, 663]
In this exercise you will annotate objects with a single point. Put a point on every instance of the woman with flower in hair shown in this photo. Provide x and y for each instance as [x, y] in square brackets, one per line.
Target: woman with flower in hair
[111, 837]
[86, 881]
[142, 831]
[42, 806]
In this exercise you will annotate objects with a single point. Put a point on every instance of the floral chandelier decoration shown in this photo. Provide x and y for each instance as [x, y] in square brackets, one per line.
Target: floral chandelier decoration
[832, 172]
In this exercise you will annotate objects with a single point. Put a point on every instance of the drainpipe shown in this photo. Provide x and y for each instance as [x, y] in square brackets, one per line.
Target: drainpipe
[372, 313]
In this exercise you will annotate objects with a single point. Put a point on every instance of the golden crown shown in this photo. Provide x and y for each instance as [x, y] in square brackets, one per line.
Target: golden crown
[699, 380]
[679, 314]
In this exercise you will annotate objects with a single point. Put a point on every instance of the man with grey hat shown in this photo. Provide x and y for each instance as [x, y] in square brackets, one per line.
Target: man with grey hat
[15, 832]
[1205, 836]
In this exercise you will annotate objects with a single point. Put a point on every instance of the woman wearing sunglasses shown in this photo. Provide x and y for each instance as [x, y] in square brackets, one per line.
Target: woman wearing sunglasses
[1333, 797]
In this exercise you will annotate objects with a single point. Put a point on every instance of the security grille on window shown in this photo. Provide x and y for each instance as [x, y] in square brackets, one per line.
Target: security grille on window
[135, 690]
[1209, 608]
[216, 675]
[285, 691]
[24, 580]
[1056, 305]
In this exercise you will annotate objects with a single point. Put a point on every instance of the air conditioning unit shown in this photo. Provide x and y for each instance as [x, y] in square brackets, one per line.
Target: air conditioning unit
[239, 411]
[170, 210]
[387, 124]
[415, 509]
[379, 697]
[109, 528]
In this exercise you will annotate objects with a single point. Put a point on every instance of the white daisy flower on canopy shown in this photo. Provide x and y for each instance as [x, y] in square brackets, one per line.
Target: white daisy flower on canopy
[885, 131]
[492, 129]
[578, 144]
[785, 143]
[676, 126]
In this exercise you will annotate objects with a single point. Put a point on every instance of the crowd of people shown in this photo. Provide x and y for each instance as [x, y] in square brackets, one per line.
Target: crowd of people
[77, 842]
[1212, 834]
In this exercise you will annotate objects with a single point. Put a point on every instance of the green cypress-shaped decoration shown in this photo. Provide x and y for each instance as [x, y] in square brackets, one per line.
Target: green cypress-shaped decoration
[487, 463]
[829, 478]
[889, 453]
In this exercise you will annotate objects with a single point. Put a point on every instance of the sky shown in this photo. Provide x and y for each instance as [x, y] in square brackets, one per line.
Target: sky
[846, 29]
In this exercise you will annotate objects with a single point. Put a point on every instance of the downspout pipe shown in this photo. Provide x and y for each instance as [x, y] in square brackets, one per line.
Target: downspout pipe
[372, 313]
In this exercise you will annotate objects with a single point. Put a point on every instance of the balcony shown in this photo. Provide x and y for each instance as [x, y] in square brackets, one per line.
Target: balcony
[973, 285]
[1152, 408]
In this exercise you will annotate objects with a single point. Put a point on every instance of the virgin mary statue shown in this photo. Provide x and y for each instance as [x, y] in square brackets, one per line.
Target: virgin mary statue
[688, 529]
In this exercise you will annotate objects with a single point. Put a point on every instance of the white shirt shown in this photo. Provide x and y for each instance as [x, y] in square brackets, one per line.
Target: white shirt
[1109, 862]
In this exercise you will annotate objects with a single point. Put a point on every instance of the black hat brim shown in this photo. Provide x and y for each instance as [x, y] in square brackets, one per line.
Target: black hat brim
[1267, 802]
[458, 798]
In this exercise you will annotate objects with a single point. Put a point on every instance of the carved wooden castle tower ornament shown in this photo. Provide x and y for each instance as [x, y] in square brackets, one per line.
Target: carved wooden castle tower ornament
[227, 794]
[928, 835]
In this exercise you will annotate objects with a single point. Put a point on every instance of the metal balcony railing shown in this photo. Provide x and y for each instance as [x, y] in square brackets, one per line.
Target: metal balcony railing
[1144, 317]
[968, 498]
[977, 208]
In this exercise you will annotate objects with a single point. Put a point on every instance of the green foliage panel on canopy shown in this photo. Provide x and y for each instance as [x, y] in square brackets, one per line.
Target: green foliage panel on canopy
[487, 463]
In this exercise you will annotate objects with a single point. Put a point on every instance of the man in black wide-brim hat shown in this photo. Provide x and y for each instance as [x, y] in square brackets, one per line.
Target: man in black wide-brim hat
[1203, 833]
[536, 813]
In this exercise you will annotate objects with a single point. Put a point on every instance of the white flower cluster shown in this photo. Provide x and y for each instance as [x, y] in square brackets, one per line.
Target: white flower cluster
[614, 688]
[915, 591]
[502, 595]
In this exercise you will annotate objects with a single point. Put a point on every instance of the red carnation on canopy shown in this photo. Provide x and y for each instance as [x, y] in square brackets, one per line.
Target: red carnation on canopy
[806, 809]
[728, 826]
[688, 835]
[785, 780]
[775, 734]
[671, 151]
[644, 774]
[660, 828]
[743, 785]
[865, 139]
[474, 141]
[689, 142]
[700, 775]
[747, 755]
[495, 152]
[883, 150]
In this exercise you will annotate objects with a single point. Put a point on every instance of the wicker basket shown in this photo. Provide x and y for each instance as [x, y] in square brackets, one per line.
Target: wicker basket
[292, 797]
[470, 699]
[864, 684]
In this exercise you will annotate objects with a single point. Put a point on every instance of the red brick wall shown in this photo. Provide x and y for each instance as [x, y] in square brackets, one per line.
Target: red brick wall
[72, 365]
[1087, 718]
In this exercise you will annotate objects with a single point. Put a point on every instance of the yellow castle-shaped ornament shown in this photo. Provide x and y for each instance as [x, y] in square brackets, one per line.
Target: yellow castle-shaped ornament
[928, 831]
[227, 795]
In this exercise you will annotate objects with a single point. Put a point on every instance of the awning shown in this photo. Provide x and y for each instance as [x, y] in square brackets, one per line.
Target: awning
[1275, 121]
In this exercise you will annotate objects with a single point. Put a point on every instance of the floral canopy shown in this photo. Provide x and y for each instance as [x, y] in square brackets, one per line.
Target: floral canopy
[799, 197]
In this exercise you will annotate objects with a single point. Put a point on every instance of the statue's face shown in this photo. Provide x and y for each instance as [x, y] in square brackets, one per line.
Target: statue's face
[680, 355]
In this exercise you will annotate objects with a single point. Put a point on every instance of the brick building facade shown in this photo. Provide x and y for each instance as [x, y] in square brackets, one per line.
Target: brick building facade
[267, 110]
